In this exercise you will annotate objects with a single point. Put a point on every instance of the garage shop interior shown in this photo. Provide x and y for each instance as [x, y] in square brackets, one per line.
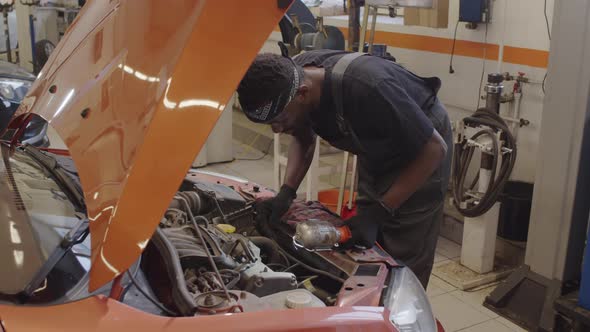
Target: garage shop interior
[295, 165]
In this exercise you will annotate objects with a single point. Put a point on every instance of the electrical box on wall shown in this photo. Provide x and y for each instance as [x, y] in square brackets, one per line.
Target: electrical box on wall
[473, 11]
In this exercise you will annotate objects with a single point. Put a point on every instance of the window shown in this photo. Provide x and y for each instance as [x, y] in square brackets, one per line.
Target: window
[39, 212]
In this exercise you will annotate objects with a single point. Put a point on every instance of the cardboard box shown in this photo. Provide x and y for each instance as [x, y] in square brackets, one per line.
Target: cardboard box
[437, 17]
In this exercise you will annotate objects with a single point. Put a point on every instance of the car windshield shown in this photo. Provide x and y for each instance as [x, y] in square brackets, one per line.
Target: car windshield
[38, 214]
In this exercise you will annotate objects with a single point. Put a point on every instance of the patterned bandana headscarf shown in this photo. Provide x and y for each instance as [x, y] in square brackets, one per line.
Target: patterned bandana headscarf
[267, 112]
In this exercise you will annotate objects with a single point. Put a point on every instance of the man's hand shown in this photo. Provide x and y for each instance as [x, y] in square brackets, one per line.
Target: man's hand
[365, 226]
[279, 205]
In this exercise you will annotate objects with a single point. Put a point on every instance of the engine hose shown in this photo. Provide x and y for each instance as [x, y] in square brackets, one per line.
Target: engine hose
[274, 244]
[312, 269]
[271, 247]
[498, 177]
[199, 233]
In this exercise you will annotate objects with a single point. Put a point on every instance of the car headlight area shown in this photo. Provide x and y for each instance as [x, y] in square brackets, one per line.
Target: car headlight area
[13, 90]
[407, 302]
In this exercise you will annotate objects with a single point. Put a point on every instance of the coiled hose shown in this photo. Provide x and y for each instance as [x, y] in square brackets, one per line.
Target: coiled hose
[464, 154]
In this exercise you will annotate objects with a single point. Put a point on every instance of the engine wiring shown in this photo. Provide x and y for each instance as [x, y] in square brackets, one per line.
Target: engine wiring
[283, 256]
[291, 267]
[231, 275]
[200, 234]
[222, 280]
[311, 269]
[277, 266]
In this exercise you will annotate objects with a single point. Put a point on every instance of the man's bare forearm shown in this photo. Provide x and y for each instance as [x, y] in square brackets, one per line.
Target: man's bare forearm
[417, 172]
[300, 157]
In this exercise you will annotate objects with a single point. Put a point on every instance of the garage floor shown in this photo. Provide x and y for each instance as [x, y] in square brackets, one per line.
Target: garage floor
[462, 310]
[457, 310]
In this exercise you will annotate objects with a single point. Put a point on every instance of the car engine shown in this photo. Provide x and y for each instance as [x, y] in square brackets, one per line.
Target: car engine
[214, 252]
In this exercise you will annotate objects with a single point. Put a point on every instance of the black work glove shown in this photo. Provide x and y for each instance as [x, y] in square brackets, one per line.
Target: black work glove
[364, 227]
[277, 206]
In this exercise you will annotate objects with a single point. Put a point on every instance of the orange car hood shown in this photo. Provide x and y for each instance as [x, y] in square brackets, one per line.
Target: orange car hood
[133, 89]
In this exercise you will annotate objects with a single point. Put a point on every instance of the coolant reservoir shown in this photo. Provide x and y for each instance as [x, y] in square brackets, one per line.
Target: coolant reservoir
[293, 299]
[298, 300]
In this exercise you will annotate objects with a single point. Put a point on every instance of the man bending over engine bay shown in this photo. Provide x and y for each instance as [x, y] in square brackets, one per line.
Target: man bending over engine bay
[372, 107]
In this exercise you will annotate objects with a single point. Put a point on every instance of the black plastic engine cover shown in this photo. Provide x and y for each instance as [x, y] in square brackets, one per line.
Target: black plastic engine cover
[229, 200]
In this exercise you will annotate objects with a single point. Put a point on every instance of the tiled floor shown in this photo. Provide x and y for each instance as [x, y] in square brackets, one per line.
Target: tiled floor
[457, 310]
[462, 310]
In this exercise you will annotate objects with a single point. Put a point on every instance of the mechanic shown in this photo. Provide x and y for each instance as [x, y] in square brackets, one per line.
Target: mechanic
[372, 107]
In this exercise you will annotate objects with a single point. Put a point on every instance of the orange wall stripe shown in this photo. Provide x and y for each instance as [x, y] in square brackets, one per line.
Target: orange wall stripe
[526, 56]
[438, 45]
[434, 44]
[517, 55]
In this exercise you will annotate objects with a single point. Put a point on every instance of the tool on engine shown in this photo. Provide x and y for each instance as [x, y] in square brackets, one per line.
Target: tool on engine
[317, 235]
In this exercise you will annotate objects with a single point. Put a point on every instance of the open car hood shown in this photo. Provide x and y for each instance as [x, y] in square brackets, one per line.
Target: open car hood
[133, 89]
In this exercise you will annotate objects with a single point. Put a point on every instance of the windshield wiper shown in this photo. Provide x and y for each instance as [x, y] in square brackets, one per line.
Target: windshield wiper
[76, 235]
[72, 189]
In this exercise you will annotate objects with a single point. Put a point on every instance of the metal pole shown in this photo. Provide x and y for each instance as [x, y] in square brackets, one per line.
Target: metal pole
[364, 28]
[352, 181]
[342, 183]
[277, 162]
[313, 174]
[6, 31]
[32, 31]
[353, 24]
[373, 28]
[494, 90]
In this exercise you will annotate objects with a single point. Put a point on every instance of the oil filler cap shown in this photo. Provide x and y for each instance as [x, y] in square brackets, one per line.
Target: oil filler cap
[298, 300]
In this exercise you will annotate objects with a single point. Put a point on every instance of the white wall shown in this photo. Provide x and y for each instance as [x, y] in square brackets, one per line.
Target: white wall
[519, 23]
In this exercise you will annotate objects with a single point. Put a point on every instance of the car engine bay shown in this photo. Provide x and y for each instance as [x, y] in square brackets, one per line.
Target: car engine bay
[216, 252]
